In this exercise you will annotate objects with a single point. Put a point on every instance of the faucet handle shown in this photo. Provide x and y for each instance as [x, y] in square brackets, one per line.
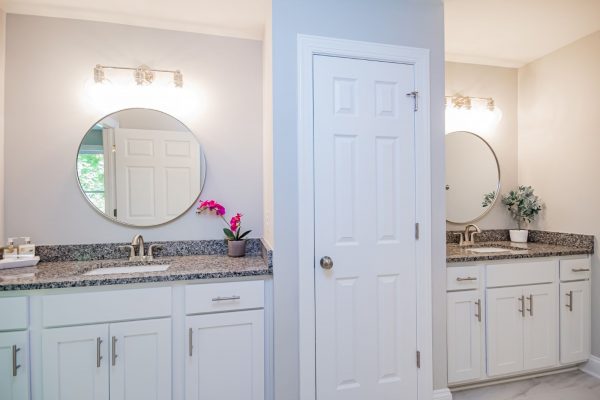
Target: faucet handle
[151, 249]
[131, 250]
[461, 236]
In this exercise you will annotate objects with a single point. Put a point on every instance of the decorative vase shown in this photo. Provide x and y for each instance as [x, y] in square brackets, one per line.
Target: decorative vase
[236, 248]
[519, 235]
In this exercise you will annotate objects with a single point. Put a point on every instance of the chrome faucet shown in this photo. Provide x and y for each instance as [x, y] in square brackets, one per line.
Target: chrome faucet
[138, 241]
[467, 237]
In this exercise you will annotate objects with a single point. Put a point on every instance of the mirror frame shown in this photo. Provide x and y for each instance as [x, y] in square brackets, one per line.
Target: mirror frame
[498, 185]
[113, 219]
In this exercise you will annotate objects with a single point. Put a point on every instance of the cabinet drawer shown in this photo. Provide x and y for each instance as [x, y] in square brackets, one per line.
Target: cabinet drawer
[13, 312]
[575, 269]
[112, 305]
[462, 278]
[522, 273]
[228, 296]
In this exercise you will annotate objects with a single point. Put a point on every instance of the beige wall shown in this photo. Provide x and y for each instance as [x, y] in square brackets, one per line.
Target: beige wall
[48, 109]
[559, 144]
[268, 131]
[500, 84]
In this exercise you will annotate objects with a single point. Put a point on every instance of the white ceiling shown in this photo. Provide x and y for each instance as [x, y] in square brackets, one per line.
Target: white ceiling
[237, 18]
[512, 33]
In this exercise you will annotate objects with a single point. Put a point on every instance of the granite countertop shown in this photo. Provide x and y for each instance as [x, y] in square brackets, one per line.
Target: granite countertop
[63, 274]
[456, 253]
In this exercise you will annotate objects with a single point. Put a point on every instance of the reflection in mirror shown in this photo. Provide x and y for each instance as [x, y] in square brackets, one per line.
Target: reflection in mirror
[140, 167]
[472, 177]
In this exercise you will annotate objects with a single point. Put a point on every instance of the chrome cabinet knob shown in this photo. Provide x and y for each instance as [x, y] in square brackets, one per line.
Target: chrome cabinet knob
[326, 262]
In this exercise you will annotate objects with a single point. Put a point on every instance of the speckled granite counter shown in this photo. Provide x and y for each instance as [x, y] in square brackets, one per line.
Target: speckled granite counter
[455, 253]
[64, 266]
[63, 274]
[542, 244]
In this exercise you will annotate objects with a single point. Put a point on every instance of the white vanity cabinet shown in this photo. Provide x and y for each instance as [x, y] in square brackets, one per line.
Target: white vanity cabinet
[575, 311]
[535, 317]
[225, 342]
[465, 335]
[14, 349]
[522, 329]
[179, 341]
[14, 365]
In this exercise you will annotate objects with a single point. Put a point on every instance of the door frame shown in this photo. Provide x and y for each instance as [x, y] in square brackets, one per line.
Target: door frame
[308, 47]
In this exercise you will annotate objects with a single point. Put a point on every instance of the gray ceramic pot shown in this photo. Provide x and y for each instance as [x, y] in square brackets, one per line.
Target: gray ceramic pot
[236, 248]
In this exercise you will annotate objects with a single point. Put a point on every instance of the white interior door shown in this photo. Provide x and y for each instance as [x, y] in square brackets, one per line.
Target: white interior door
[140, 359]
[465, 335]
[75, 363]
[157, 174]
[365, 222]
[575, 320]
[14, 365]
[540, 331]
[505, 316]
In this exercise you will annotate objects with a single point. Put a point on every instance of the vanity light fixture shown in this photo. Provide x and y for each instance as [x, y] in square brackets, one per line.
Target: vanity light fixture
[466, 102]
[143, 74]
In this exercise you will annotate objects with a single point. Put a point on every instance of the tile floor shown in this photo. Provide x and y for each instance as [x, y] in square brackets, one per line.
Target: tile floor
[574, 385]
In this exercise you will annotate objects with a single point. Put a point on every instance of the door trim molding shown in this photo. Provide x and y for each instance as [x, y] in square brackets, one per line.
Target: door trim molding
[308, 47]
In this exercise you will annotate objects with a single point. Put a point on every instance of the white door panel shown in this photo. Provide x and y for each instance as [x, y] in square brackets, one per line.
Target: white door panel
[140, 360]
[14, 365]
[575, 325]
[365, 221]
[157, 177]
[505, 318]
[75, 363]
[465, 335]
[226, 357]
[540, 331]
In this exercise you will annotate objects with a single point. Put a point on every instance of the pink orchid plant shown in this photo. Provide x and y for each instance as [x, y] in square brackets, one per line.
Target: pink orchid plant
[234, 229]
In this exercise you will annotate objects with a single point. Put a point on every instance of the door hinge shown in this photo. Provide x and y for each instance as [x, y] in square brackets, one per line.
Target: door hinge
[415, 96]
[417, 228]
[418, 359]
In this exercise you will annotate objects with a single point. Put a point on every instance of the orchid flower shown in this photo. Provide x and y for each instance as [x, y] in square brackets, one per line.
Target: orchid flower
[233, 232]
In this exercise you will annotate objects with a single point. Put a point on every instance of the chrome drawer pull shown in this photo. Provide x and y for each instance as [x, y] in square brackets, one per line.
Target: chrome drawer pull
[191, 341]
[98, 356]
[15, 366]
[580, 269]
[114, 350]
[478, 315]
[522, 309]
[226, 298]
[570, 296]
[468, 278]
[530, 309]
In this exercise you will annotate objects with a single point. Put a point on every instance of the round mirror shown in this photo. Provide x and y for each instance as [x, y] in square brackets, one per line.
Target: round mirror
[472, 177]
[140, 167]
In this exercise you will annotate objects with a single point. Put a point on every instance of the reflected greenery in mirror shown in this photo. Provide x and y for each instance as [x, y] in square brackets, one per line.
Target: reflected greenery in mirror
[140, 167]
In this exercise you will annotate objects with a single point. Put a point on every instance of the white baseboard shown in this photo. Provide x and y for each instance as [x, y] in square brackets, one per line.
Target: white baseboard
[592, 367]
[442, 394]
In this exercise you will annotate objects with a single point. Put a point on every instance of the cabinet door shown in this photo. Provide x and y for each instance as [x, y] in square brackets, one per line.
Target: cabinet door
[140, 360]
[575, 322]
[540, 331]
[504, 330]
[225, 356]
[75, 363]
[465, 333]
[14, 365]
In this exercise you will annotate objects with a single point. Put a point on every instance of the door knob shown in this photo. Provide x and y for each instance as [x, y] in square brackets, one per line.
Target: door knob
[326, 262]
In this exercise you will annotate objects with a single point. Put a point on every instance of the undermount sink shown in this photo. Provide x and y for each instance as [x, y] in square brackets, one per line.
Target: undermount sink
[128, 269]
[489, 249]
